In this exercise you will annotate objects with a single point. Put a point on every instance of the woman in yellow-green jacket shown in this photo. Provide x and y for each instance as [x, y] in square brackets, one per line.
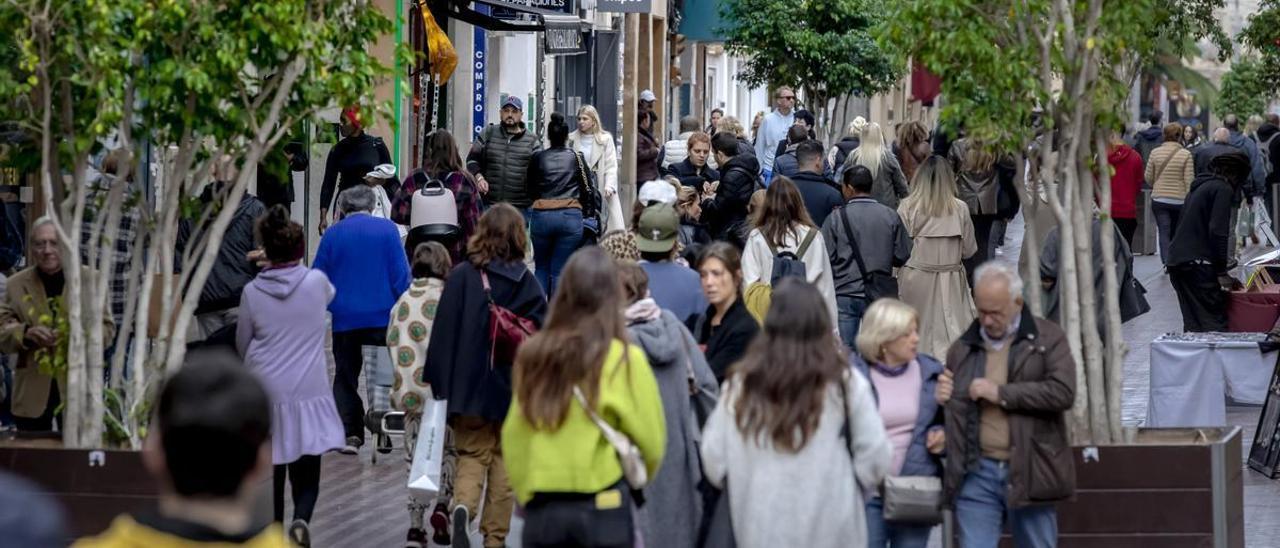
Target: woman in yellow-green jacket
[563, 471]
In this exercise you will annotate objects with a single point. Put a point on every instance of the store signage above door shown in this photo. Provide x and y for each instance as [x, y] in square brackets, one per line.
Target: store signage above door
[563, 35]
[511, 7]
[625, 6]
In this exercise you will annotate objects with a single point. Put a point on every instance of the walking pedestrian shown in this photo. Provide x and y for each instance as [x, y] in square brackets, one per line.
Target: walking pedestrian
[726, 328]
[462, 369]
[1149, 139]
[785, 229]
[409, 335]
[693, 235]
[694, 171]
[382, 208]
[25, 329]
[795, 433]
[1126, 185]
[785, 162]
[440, 162]
[500, 155]
[890, 186]
[1009, 382]
[933, 280]
[206, 451]
[839, 153]
[1191, 139]
[601, 157]
[674, 508]
[1130, 293]
[676, 287]
[1269, 149]
[571, 379]
[912, 148]
[1200, 254]
[280, 335]
[716, 115]
[903, 382]
[1170, 170]
[555, 184]
[724, 204]
[773, 127]
[862, 235]
[985, 183]
[364, 259]
[732, 126]
[349, 160]
[676, 150]
[646, 148]
[820, 196]
[1256, 183]
[803, 119]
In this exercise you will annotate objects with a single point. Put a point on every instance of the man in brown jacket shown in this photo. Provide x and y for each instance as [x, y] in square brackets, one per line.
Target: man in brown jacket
[1008, 456]
[28, 297]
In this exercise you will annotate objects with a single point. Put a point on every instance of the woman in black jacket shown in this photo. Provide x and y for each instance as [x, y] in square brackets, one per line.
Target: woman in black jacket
[555, 183]
[726, 329]
[461, 370]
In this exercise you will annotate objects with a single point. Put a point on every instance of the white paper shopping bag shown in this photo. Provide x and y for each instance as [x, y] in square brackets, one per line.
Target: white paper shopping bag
[428, 453]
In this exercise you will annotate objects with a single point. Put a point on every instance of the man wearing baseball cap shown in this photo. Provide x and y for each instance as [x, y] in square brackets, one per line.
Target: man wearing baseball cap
[499, 157]
[674, 286]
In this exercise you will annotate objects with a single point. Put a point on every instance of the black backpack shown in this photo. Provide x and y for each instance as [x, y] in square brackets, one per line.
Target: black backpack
[787, 264]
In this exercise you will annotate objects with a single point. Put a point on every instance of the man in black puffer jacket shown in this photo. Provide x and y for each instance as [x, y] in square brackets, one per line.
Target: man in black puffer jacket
[724, 208]
[1200, 254]
[499, 158]
[220, 299]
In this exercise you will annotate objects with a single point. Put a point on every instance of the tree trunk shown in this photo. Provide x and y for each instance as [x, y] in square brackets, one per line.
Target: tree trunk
[1115, 347]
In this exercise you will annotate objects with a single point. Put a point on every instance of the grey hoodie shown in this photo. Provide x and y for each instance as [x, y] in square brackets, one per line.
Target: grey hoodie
[675, 508]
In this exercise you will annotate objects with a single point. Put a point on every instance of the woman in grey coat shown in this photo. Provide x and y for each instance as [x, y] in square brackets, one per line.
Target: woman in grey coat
[890, 186]
[673, 508]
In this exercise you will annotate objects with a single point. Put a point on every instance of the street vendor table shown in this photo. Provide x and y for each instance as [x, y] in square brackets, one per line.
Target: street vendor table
[1192, 372]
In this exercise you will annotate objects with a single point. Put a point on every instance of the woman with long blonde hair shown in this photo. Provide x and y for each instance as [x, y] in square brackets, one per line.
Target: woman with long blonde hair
[890, 185]
[933, 280]
[601, 156]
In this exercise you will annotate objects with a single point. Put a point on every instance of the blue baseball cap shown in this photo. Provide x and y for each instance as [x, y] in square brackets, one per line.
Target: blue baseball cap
[513, 102]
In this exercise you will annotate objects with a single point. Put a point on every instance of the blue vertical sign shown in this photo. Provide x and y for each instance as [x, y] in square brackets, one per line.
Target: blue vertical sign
[478, 62]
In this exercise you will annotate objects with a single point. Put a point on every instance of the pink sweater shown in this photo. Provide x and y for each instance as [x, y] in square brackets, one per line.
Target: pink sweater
[899, 404]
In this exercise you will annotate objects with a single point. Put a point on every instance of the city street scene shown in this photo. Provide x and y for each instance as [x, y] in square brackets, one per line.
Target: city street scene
[628, 273]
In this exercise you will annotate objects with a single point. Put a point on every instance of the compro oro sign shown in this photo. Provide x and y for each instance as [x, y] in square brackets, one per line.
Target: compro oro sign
[625, 6]
[563, 35]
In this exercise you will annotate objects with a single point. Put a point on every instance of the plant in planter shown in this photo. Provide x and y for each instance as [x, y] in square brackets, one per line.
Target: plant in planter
[185, 85]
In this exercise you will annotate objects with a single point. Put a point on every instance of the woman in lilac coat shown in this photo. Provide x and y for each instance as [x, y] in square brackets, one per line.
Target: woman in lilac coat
[281, 337]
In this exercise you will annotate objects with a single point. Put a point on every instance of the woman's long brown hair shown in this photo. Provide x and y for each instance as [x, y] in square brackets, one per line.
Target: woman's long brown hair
[584, 320]
[499, 236]
[783, 210]
[784, 376]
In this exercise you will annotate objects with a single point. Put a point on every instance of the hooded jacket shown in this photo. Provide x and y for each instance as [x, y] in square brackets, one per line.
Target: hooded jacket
[675, 507]
[728, 210]
[1256, 182]
[1204, 228]
[1147, 140]
[458, 367]
[1126, 182]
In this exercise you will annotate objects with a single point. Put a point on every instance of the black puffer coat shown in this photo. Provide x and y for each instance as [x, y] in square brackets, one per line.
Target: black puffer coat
[728, 210]
[504, 159]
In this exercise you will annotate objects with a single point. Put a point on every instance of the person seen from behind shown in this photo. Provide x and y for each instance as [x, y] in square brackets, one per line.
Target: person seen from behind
[890, 186]
[207, 449]
[1170, 170]
[441, 162]
[903, 382]
[1009, 383]
[408, 336]
[820, 195]
[461, 369]
[795, 433]
[912, 148]
[555, 185]
[280, 335]
[785, 228]
[1126, 185]
[676, 286]
[785, 163]
[724, 204]
[578, 371]
[726, 328]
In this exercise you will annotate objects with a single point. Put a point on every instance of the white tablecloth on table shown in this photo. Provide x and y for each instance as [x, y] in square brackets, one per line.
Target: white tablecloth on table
[1189, 380]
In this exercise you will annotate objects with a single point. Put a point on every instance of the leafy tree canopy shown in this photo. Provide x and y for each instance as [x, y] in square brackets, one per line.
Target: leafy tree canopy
[1263, 35]
[1245, 90]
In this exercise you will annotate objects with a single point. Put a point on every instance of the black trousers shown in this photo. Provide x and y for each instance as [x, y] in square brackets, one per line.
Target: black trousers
[1202, 300]
[348, 358]
[1128, 227]
[982, 225]
[580, 520]
[43, 423]
[304, 479]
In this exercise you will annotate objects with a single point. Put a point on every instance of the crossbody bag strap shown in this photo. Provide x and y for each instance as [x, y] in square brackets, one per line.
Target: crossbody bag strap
[857, 253]
[1160, 172]
[804, 246]
[612, 435]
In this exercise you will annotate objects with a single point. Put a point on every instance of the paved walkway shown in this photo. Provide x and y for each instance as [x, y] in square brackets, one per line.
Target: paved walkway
[363, 504]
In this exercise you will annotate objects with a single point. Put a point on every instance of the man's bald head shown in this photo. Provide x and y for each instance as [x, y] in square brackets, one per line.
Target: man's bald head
[1231, 122]
[1222, 135]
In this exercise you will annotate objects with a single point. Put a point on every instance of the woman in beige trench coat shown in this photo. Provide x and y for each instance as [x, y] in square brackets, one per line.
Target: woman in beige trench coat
[933, 280]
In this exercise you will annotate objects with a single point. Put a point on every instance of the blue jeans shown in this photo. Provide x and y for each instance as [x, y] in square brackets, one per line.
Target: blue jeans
[981, 509]
[557, 233]
[849, 311]
[881, 534]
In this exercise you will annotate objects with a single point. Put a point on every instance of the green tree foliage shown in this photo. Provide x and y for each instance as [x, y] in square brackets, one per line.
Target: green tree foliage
[1245, 90]
[825, 47]
[1262, 34]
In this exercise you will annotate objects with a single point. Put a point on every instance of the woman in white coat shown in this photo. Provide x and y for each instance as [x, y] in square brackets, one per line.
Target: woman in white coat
[782, 224]
[601, 155]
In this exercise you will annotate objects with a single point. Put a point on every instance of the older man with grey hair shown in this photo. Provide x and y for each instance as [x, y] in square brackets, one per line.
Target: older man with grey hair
[1009, 382]
[364, 259]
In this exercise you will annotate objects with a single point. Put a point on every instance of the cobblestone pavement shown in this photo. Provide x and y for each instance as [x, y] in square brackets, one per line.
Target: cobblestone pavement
[363, 504]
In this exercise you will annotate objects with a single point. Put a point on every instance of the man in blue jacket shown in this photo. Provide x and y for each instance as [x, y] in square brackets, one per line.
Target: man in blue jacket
[363, 258]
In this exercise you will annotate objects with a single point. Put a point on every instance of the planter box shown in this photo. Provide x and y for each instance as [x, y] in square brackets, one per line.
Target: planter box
[1170, 488]
[93, 486]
